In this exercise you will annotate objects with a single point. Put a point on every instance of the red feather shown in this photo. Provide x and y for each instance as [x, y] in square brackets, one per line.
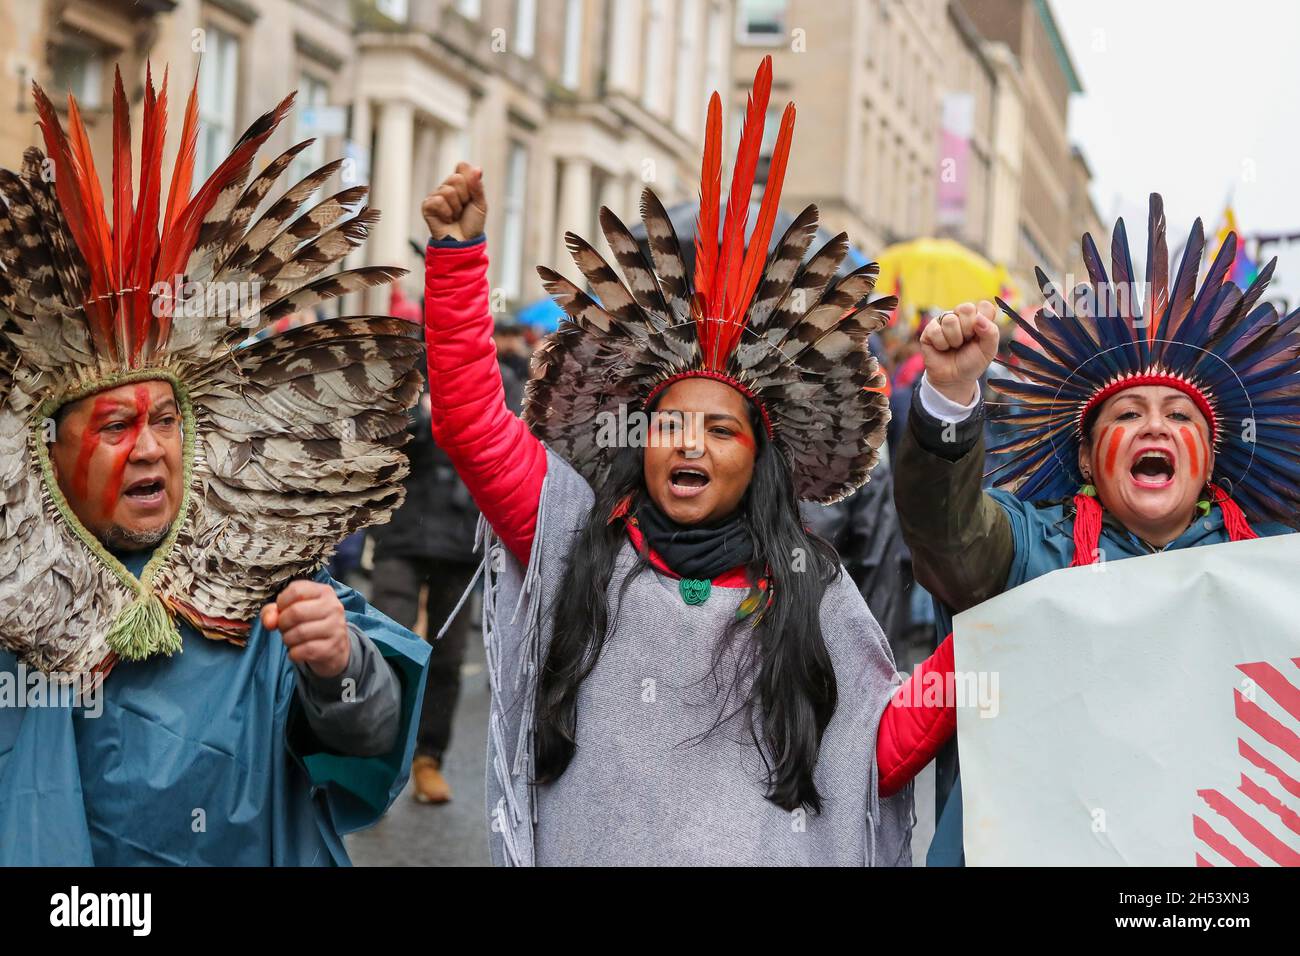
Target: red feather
[125, 262]
[178, 194]
[706, 228]
[71, 200]
[183, 172]
[143, 241]
[92, 195]
[122, 200]
[756, 254]
[182, 237]
[742, 185]
[92, 198]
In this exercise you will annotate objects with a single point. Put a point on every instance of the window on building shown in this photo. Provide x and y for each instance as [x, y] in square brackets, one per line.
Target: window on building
[686, 99]
[570, 72]
[78, 70]
[869, 30]
[218, 82]
[652, 63]
[393, 9]
[905, 74]
[867, 157]
[624, 46]
[716, 53]
[313, 93]
[525, 26]
[913, 199]
[771, 127]
[886, 57]
[512, 263]
[761, 21]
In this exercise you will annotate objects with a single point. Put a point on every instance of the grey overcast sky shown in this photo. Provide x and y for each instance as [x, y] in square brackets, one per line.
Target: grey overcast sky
[1198, 100]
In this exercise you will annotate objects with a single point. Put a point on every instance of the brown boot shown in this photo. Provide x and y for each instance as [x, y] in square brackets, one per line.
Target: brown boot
[430, 785]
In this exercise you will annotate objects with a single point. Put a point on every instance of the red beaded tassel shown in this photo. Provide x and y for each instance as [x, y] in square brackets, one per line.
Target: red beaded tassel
[1087, 528]
[1234, 519]
[1087, 524]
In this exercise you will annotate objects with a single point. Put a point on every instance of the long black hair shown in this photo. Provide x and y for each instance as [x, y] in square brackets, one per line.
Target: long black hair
[783, 672]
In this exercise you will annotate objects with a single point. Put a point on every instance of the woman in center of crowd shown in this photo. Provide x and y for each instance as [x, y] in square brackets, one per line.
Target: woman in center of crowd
[681, 673]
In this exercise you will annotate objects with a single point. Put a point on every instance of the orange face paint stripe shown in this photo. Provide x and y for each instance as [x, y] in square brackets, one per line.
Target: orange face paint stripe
[746, 441]
[1190, 442]
[1112, 451]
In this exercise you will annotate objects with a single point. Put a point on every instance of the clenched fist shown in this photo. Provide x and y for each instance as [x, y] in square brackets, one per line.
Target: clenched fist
[313, 625]
[458, 208]
[958, 347]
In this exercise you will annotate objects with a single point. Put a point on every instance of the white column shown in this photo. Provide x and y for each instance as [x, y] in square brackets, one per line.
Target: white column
[360, 138]
[611, 191]
[544, 211]
[453, 148]
[391, 191]
[624, 53]
[632, 187]
[425, 168]
[575, 211]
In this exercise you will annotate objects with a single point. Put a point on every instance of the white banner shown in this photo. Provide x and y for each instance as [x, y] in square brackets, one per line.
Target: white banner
[1148, 713]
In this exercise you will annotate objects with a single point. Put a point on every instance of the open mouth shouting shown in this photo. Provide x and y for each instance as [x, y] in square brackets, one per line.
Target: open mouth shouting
[1153, 468]
[687, 481]
[146, 494]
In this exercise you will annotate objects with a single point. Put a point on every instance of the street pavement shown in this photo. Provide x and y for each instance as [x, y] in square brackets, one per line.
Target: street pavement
[452, 834]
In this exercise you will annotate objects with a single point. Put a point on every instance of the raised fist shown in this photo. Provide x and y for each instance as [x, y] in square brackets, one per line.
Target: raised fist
[458, 208]
[314, 626]
[958, 347]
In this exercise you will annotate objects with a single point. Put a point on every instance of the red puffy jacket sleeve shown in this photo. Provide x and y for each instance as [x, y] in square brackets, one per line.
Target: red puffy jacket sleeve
[912, 731]
[501, 462]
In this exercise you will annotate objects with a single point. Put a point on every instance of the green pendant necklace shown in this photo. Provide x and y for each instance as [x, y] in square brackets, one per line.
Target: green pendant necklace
[694, 591]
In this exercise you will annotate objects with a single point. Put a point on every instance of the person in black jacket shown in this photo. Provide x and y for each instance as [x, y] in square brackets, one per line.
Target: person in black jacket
[863, 528]
[430, 544]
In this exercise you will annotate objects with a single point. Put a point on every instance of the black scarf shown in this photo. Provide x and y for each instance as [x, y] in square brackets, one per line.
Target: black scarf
[701, 552]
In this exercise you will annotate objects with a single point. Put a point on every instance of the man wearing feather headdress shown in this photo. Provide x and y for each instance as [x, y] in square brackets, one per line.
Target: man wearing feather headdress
[170, 495]
[680, 672]
[1149, 418]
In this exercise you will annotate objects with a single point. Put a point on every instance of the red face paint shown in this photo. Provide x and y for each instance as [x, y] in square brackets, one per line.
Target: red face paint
[121, 452]
[1112, 450]
[745, 440]
[89, 442]
[1192, 442]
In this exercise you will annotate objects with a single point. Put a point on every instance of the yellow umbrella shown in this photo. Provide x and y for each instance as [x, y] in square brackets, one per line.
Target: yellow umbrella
[937, 274]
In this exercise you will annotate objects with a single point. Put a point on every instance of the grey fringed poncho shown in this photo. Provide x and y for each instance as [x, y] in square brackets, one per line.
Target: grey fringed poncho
[642, 788]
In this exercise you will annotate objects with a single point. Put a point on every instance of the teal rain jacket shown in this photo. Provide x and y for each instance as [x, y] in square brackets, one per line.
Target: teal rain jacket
[202, 758]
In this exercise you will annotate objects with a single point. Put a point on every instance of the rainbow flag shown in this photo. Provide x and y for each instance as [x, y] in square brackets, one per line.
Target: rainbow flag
[1244, 268]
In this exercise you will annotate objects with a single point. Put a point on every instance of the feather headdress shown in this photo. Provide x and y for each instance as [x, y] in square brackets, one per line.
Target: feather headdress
[290, 444]
[1234, 357]
[778, 330]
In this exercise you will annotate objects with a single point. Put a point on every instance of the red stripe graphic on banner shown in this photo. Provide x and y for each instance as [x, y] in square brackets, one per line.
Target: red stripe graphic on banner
[1265, 799]
[1219, 844]
[1250, 828]
[1288, 782]
[1266, 726]
[1248, 821]
[1270, 679]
